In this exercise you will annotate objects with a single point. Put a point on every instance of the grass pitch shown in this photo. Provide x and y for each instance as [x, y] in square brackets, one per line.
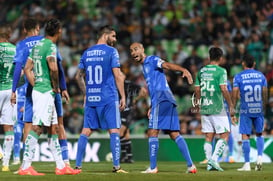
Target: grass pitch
[168, 171]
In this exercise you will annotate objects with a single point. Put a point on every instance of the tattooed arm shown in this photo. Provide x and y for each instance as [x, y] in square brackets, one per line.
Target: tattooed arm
[80, 75]
[28, 71]
[54, 75]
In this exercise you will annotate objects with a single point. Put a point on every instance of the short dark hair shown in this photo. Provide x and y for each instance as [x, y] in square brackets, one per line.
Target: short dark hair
[215, 53]
[52, 27]
[30, 24]
[105, 29]
[5, 31]
[249, 60]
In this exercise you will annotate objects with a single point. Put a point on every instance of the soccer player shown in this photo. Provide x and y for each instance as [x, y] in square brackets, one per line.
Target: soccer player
[162, 114]
[19, 125]
[210, 91]
[23, 48]
[251, 85]
[31, 28]
[133, 92]
[59, 108]
[42, 73]
[100, 67]
[7, 111]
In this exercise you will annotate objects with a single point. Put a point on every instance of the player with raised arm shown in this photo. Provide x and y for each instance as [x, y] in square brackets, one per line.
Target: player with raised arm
[211, 90]
[42, 73]
[100, 80]
[162, 114]
[7, 111]
[251, 85]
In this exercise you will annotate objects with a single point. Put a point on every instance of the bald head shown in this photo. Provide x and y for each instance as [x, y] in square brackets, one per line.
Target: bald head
[137, 52]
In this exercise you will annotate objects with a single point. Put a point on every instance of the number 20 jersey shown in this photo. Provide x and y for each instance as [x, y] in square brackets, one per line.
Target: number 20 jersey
[250, 83]
[98, 61]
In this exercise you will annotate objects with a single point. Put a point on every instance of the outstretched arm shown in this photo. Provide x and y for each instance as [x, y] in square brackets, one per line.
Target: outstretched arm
[175, 67]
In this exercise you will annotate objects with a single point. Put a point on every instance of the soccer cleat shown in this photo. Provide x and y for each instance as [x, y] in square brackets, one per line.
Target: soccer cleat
[231, 159]
[204, 161]
[246, 167]
[5, 169]
[192, 169]
[118, 170]
[67, 171]
[16, 162]
[259, 163]
[29, 171]
[215, 165]
[149, 170]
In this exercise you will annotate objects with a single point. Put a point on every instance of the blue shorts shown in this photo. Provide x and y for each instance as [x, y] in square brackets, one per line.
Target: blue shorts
[58, 104]
[28, 112]
[164, 116]
[246, 123]
[102, 117]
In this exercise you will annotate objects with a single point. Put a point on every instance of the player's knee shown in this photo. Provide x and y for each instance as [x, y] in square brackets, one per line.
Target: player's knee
[37, 129]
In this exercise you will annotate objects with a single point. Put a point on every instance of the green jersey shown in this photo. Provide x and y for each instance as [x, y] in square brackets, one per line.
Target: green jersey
[209, 78]
[7, 52]
[39, 54]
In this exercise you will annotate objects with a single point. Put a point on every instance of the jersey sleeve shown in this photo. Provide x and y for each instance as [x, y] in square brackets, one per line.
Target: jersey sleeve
[223, 78]
[264, 81]
[115, 59]
[81, 64]
[52, 51]
[157, 62]
[236, 81]
[19, 55]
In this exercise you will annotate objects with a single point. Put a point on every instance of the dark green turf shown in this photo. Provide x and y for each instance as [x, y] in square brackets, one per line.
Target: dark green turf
[168, 171]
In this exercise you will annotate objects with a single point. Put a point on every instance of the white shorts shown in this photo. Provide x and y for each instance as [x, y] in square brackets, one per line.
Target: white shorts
[8, 113]
[217, 123]
[44, 111]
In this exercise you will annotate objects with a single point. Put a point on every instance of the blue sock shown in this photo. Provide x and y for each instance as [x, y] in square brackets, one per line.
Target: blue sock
[260, 145]
[230, 145]
[63, 144]
[115, 148]
[153, 149]
[18, 131]
[82, 142]
[183, 147]
[246, 150]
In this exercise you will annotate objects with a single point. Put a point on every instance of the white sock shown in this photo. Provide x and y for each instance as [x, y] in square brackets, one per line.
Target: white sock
[55, 148]
[208, 150]
[30, 147]
[7, 147]
[219, 148]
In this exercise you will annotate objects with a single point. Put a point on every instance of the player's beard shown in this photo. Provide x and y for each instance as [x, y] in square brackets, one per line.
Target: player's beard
[110, 43]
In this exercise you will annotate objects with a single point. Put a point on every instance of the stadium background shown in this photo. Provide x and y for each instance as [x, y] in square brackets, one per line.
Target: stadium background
[179, 31]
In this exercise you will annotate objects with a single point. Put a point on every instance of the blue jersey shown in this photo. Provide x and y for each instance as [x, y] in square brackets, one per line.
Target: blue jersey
[158, 87]
[250, 83]
[23, 49]
[98, 61]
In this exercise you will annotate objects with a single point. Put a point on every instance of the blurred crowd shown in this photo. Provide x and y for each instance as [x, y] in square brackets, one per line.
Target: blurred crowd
[178, 31]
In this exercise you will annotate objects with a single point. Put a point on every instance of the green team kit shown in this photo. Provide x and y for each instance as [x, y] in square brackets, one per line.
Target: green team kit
[7, 51]
[41, 71]
[209, 79]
